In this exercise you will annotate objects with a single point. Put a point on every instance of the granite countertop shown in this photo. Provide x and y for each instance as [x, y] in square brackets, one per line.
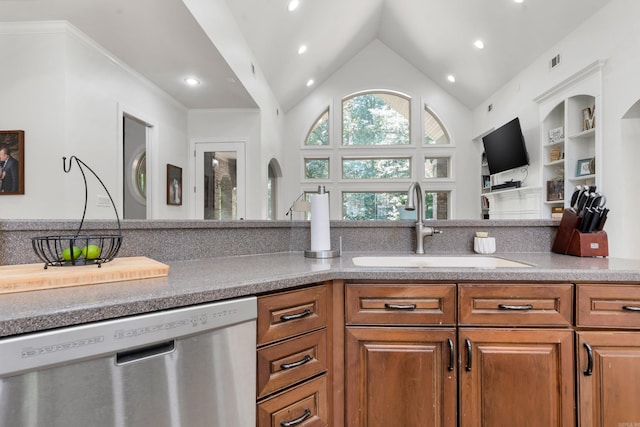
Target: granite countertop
[205, 280]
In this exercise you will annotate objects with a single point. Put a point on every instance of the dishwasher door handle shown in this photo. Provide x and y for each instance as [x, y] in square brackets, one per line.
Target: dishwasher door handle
[130, 356]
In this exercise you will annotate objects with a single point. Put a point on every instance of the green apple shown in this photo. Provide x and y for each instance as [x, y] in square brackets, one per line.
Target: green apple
[91, 251]
[66, 253]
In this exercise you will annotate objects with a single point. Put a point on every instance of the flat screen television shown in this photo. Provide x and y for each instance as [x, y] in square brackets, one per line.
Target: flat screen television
[505, 148]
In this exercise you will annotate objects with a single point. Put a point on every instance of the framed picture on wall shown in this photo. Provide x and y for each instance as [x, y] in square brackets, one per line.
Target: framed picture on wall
[583, 167]
[11, 162]
[174, 185]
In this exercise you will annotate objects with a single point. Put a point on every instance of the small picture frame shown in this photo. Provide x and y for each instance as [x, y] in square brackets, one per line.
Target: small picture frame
[11, 162]
[556, 135]
[584, 167]
[555, 190]
[174, 185]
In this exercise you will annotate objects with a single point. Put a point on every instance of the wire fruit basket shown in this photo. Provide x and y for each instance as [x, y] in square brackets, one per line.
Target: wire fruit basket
[79, 248]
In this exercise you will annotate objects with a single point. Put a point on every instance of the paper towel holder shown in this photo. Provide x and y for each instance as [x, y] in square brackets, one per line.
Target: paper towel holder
[323, 253]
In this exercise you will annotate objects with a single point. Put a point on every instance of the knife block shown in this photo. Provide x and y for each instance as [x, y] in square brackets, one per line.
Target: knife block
[570, 241]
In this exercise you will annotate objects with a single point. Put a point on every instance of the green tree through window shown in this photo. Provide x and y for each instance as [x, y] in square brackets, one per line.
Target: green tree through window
[319, 133]
[375, 119]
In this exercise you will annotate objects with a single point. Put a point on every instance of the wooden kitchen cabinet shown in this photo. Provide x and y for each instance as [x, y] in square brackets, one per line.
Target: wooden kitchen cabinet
[516, 355]
[516, 377]
[293, 358]
[608, 354]
[608, 375]
[400, 375]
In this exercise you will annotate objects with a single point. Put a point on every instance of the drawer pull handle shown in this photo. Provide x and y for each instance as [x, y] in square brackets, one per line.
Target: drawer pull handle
[467, 344]
[307, 414]
[452, 356]
[515, 307]
[630, 308]
[589, 370]
[306, 359]
[400, 306]
[286, 317]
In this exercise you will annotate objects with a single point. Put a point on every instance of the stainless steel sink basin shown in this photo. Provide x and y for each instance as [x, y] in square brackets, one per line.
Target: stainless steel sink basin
[436, 262]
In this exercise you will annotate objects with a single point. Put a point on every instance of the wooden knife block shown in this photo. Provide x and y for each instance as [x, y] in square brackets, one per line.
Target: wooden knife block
[570, 241]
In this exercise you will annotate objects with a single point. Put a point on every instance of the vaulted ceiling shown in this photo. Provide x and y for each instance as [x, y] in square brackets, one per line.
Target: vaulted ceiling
[161, 40]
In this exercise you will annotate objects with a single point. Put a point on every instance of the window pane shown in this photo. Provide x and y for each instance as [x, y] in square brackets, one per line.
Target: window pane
[375, 119]
[316, 168]
[319, 133]
[436, 167]
[436, 205]
[372, 205]
[434, 132]
[376, 168]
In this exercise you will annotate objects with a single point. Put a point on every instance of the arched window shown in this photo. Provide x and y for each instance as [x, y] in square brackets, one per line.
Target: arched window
[369, 172]
[319, 132]
[434, 132]
[376, 118]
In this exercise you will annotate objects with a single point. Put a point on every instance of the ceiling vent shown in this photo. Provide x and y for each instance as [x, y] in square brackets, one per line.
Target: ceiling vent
[555, 61]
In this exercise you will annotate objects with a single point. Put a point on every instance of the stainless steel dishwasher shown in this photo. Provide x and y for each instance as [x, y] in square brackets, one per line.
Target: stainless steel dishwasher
[186, 367]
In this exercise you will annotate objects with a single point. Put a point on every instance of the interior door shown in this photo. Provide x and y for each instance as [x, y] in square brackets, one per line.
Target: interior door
[220, 180]
[134, 138]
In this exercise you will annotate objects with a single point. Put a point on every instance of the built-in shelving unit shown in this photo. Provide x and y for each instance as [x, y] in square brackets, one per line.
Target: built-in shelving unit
[571, 139]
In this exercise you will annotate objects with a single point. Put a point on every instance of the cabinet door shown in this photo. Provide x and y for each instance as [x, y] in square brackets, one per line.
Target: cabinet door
[400, 377]
[608, 379]
[512, 377]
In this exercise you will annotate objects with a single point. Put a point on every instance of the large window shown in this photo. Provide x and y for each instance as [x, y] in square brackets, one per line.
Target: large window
[370, 162]
[375, 119]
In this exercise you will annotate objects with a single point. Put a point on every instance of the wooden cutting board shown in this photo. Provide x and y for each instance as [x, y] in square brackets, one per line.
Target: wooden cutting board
[33, 277]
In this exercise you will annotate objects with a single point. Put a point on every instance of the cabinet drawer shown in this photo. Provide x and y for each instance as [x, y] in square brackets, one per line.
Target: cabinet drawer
[289, 362]
[306, 403]
[608, 306]
[291, 313]
[388, 304]
[517, 305]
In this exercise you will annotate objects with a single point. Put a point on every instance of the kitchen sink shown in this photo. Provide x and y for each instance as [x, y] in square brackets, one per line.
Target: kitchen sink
[436, 262]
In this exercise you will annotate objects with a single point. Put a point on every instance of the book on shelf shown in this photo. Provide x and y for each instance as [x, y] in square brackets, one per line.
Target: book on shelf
[556, 212]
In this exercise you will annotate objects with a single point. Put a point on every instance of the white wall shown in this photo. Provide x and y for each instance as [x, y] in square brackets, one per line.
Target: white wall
[378, 67]
[612, 34]
[68, 96]
[216, 19]
[233, 126]
[34, 101]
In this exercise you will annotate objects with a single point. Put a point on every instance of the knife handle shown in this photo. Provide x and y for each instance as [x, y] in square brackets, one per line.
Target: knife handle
[602, 219]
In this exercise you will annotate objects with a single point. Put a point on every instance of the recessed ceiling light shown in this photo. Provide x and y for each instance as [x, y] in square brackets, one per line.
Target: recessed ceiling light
[310, 82]
[479, 44]
[518, 1]
[293, 5]
[192, 81]
[302, 49]
[451, 78]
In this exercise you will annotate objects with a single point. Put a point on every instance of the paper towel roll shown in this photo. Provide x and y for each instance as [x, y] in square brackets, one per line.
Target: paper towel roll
[320, 234]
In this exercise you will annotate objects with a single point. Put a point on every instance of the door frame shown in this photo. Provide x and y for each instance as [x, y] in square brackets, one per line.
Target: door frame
[219, 144]
[153, 171]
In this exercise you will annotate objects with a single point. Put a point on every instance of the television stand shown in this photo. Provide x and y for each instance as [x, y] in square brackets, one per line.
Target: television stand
[508, 184]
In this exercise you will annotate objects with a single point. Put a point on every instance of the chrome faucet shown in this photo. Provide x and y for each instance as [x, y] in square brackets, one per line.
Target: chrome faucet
[421, 230]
